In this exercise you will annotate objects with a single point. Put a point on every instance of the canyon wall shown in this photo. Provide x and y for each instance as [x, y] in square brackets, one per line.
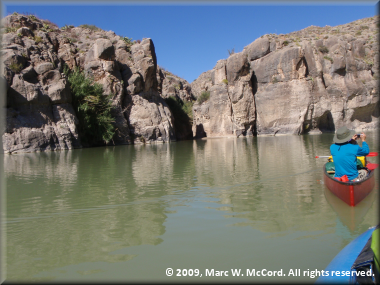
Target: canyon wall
[311, 81]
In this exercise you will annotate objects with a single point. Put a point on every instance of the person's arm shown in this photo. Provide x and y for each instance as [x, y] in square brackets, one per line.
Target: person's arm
[364, 150]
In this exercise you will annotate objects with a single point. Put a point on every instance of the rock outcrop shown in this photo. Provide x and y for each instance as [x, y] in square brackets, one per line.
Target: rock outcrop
[40, 115]
[310, 81]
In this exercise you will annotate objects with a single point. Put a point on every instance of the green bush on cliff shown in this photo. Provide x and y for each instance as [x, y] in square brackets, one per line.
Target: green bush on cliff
[92, 107]
[323, 49]
[15, 67]
[203, 97]
[91, 27]
[182, 111]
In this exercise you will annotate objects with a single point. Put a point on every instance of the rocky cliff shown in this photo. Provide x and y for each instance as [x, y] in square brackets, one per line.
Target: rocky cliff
[309, 81]
[40, 114]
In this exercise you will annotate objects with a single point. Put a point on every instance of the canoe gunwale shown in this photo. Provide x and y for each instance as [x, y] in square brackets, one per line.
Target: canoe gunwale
[349, 182]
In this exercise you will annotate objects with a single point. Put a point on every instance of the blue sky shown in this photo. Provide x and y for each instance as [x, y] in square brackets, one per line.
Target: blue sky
[189, 39]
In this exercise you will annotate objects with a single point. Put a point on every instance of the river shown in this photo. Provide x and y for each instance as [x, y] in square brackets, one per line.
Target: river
[128, 213]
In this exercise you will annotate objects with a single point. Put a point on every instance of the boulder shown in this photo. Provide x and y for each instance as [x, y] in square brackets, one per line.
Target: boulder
[144, 57]
[25, 32]
[59, 92]
[219, 73]
[237, 65]
[43, 67]
[103, 49]
[279, 66]
[258, 48]
[150, 120]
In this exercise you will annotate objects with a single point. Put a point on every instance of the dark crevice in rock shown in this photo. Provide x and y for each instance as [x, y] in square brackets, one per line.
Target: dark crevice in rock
[254, 84]
[376, 111]
[323, 80]
[326, 122]
[307, 123]
[301, 63]
[200, 132]
[341, 72]
[307, 68]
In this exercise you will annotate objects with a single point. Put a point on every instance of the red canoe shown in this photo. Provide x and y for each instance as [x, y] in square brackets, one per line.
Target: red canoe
[350, 192]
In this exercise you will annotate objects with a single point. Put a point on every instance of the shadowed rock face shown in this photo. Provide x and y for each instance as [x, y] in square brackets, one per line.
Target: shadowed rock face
[311, 81]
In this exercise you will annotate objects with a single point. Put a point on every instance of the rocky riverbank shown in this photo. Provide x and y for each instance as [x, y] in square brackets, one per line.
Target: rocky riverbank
[309, 81]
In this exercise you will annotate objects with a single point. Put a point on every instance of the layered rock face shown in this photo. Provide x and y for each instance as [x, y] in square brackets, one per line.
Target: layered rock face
[310, 81]
[39, 111]
[40, 115]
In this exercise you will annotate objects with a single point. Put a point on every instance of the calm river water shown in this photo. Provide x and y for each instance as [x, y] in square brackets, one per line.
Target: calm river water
[128, 213]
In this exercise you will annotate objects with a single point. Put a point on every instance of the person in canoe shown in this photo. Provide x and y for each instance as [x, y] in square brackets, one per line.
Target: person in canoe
[344, 152]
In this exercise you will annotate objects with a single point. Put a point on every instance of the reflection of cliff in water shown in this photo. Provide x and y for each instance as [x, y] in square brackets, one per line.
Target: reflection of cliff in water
[79, 206]
[272, 182]
[169, 167]
[71, 207]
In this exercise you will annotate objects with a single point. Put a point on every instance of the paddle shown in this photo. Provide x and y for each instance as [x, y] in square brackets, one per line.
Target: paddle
[370, 154]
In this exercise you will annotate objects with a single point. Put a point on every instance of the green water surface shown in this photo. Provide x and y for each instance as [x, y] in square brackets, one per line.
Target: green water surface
[127, 213]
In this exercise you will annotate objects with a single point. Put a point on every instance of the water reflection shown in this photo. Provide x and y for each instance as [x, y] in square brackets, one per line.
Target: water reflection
[56, 218]
[351, 217]
[82, 206]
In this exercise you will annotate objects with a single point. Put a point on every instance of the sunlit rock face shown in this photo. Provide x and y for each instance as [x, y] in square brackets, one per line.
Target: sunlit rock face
[40, 115]
[310, 81]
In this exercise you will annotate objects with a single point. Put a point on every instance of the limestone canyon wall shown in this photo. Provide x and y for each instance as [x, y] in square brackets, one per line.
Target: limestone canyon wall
[310, 81]
[39, 113]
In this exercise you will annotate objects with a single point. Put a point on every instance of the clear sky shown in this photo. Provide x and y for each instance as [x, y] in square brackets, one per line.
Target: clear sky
[190, 38]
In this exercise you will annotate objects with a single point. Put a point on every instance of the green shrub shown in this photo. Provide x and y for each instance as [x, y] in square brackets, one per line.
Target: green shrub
[225, 81]
[91, 27]
[46, 28]
[358, 33]
[92, 107]
[127, 40]
[329, 58]
[368, 61]
[67, 27]
[15, 67]
[285, 43]
[32, 17]
[323, 49]
[182, 111]
[11, 29]
[203, 97]
[274, 80]
[37, 39]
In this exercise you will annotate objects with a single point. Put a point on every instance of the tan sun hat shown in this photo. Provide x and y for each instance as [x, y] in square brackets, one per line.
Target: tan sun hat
[343, 135]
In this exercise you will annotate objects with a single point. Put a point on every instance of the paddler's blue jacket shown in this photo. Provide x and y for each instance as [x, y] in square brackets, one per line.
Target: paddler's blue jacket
[344, 156]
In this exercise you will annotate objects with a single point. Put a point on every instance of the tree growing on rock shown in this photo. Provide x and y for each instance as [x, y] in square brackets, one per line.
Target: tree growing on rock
[92, 108]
